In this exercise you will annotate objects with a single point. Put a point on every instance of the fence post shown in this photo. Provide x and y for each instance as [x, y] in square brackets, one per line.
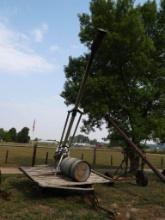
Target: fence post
[46, 158]
[111, 161]
[94, 157]
[161, 162]
[6, 157]
[34, 154]
[82, 156]
[0, 179]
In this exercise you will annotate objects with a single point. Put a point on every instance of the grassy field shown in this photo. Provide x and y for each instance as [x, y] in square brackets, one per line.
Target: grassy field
[22, 155]
[28, 202]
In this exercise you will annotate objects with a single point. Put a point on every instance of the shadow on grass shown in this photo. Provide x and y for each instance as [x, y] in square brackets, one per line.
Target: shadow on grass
[31, 190]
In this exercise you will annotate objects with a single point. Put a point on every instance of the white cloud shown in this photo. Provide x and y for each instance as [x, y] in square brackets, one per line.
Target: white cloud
[4, 19]
[38, 33]
[75, 46]
[17, 57]
[54, 48]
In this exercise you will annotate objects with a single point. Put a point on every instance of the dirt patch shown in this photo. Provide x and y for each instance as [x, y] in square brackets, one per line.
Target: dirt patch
[10, 170]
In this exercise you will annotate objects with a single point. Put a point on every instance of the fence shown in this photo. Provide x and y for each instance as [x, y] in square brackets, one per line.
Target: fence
[97, 157]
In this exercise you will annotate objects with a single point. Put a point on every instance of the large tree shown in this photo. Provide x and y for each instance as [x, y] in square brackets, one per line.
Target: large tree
[2, 134]
[126, 79]
[80, 139]
[23, 135]
[12, 134]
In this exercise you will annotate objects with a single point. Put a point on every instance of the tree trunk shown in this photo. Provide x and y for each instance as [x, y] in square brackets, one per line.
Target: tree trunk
[134, 160]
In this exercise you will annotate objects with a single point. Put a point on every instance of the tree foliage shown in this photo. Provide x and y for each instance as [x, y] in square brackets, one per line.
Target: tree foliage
[2, 134]
[83, 139]
[23, 135]
[12, 136]
[127, 76]
[80, 139]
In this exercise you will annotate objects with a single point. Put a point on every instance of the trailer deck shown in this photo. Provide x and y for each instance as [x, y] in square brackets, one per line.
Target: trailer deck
[46, 176]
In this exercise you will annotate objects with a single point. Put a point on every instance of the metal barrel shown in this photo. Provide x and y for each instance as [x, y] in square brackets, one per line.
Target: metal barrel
[65, 165]
[76, 169]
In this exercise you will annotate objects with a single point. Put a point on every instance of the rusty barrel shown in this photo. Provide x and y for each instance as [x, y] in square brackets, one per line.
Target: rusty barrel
[76, 169]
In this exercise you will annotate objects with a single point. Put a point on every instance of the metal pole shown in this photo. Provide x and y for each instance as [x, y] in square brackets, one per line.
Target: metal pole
[72, 138]
[66, 122]
[135, 147]
[95, 45]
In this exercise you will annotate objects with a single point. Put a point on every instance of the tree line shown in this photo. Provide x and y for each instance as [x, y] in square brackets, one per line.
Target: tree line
[13, 136]
[84, 139]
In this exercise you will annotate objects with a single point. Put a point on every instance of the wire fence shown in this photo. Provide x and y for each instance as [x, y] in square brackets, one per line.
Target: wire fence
[22, 155]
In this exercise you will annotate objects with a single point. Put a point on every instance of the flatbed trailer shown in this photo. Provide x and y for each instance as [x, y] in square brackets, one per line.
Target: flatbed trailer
[46, 177]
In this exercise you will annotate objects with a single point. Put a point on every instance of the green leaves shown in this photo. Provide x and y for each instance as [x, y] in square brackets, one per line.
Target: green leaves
[125, 75]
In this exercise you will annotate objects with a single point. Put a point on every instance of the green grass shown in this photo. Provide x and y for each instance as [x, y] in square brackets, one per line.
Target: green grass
[28, 202]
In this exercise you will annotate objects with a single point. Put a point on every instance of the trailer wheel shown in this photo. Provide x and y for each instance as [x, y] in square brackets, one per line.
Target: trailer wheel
[141, 178]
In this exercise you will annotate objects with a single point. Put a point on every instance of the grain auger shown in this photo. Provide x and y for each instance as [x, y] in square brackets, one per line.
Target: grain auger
[61, 156]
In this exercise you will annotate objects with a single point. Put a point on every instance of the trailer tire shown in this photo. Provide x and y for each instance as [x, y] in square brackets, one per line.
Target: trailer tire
[141, 178]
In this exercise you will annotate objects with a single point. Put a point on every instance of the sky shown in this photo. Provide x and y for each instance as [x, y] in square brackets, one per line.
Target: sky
[36, 39]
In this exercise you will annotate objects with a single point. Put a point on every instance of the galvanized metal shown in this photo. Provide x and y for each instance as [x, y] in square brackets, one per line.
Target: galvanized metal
[76, 169]
[63, 132]
[95, 45]
[75, 130]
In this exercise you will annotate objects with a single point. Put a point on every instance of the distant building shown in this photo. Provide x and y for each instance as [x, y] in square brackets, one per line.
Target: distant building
[83, 145]
[48, 141]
